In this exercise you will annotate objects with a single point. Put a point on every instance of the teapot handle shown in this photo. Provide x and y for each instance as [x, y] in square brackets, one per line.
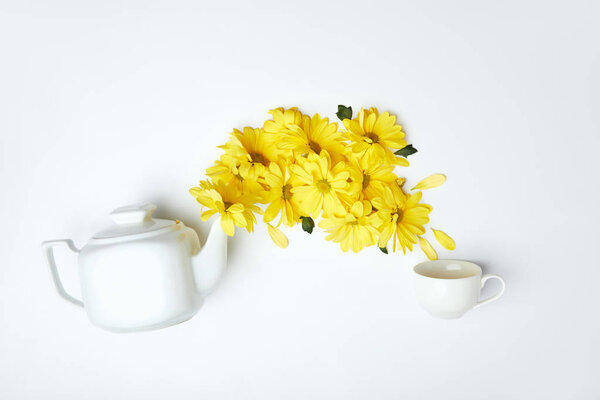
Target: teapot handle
[48, 248]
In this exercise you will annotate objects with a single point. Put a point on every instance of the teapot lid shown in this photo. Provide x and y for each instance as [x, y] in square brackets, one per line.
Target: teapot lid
[133, 220]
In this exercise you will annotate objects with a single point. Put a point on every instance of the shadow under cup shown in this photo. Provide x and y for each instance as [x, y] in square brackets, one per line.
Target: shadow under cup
[447, 288]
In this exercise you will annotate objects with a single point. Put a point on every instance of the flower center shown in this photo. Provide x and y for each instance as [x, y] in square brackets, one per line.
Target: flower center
[258, 158]
[372, 137]
[400, 215]
[323, 186]
[227, 205]
[314, 146]
[366, 181]
[286, 192]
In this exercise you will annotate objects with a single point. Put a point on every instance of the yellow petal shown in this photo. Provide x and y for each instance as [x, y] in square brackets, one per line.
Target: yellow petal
[401, 161]
[430, 182]
[357, 209]
[207, 214]
[227, 224]
[427, 249]
[278, 237]
[235, 208]
[367, 207]
[329, 223]
[272, 210]
[301, 174]
[443, 239]
[385, 235]
[239, 220]
[378, 203]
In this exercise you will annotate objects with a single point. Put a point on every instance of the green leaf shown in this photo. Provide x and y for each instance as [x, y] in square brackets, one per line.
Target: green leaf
[344, 112]
[406, 151]
[383, 250]
[307, 224]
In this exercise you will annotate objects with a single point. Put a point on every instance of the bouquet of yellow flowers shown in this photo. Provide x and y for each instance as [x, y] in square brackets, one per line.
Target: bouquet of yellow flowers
[304, 167]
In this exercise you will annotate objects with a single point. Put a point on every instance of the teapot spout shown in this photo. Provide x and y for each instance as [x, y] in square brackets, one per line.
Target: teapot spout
[209, 264]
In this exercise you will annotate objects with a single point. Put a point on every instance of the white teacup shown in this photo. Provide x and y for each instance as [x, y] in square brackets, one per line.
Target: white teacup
[449, 288]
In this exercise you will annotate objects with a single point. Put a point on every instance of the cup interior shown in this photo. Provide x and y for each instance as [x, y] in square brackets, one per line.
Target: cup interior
[447, 269]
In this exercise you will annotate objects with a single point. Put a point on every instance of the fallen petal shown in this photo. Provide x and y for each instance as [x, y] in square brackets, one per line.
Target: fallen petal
[430, 182]
[446, 241]
[427, 249]
[278, 237]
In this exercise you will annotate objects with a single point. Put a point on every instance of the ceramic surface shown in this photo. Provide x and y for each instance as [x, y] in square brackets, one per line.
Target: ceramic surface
[449, 288]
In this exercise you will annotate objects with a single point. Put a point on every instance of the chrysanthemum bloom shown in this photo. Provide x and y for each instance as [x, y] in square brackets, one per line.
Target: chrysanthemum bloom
[371, 176]
[221, 172]
[320, 185]
[251, 150]
[235, 208]
[401, 217]
[312, 136]
[283, 121]
[356, 230]
[303, 166]
[280, 196]
[239, 175]
[374, 135]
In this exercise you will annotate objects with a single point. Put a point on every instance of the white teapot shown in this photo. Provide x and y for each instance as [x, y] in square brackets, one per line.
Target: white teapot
[143, 273]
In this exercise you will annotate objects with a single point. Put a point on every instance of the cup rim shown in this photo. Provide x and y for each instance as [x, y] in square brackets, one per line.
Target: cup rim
[478, 273]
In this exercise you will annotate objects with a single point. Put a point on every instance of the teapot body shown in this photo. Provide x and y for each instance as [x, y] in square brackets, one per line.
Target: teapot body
[141, 284]
[142, 273]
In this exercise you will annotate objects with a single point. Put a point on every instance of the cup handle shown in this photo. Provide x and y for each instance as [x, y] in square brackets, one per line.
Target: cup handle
[49, 253]
[484, 279]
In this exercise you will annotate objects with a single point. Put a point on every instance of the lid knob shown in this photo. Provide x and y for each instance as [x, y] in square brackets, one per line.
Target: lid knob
[133, 214]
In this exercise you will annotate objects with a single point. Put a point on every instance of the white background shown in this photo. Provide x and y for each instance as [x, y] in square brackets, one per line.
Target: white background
[109, 103]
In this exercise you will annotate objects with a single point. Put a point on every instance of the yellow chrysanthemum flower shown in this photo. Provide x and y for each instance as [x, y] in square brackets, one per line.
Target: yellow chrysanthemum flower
[374, 135]
[251, 150]
[356, 230]
[283, 121]
[280, 196]
[312, 136]
[401, 217]
[221, 172]
[371, 177]
[236, 208]
[239, 175]
[302, 166]
[320, 185]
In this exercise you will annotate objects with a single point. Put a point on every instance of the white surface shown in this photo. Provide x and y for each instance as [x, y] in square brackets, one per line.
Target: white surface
[106, 104]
